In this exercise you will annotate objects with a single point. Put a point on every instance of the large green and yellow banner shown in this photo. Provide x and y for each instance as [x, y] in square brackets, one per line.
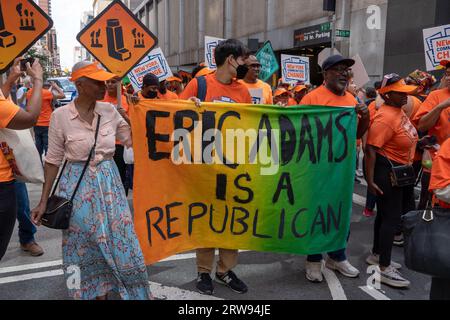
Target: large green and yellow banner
[247, 177]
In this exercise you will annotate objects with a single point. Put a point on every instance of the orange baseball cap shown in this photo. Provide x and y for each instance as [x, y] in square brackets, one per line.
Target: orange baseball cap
[300, 88]
[280, 91]
[174, 79]
[92, 71]
[445, 63]
[397, 85]
[205, 71]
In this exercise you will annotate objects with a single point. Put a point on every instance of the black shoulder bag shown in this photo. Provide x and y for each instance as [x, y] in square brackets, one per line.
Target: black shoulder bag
[59, 210]
[427, 235]
[402, 176]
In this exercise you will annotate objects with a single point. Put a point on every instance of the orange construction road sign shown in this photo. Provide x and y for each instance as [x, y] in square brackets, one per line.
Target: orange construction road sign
[22, 24]
[117, 39]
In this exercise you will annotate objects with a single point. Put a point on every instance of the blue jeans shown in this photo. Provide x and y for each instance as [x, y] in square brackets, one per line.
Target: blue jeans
[338, 255]
[41, 136]
[26, 227]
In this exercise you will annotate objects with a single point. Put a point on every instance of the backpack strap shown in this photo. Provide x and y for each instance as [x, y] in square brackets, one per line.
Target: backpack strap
[201, 88]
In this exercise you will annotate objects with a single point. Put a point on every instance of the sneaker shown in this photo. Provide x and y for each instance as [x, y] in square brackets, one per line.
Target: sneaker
[392, 277]
[231, 280]
[344, 267]
[204, 284]
[399, 241]
[33, 249]
[314, 272]
[359, 173]
[368, 213]
[374, 260]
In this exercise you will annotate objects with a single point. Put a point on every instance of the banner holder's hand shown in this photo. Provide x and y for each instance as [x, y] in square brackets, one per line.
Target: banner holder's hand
[197, 101]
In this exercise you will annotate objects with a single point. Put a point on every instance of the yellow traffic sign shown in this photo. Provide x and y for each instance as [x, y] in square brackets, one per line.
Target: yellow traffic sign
[22, 24]
[117, 39]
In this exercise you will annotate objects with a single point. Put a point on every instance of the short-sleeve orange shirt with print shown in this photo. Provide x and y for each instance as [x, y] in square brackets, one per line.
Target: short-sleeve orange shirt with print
[8, 111]
[218, 92]
[169, 95]
[46, 108]
[266, 89]
[324, 97]
[393, 134]
[440, 174]
[442, 128]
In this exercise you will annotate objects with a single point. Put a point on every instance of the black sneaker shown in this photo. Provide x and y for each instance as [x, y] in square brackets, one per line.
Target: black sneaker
[204, 284]
[231, 280]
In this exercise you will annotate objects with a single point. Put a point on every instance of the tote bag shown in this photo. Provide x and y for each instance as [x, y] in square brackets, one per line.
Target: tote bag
[20, 151]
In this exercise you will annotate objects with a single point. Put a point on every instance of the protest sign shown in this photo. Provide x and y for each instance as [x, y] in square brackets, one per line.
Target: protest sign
[294, 69]
[154, 63]
[269, 63]
[242, 177]
[117, 38]
[360, 76]
[22, 24]
[210, 46]
[437, 46]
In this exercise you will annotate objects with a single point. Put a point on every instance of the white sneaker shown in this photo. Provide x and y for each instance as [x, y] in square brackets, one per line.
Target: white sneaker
[343, 267]
[314, 272]
[374, 260]
[392, 277]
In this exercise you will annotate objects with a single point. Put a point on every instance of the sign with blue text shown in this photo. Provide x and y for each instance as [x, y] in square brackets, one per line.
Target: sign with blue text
[295, 69]
[154, 63]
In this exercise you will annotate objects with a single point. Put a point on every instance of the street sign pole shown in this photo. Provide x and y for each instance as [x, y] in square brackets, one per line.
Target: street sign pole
[333, 33]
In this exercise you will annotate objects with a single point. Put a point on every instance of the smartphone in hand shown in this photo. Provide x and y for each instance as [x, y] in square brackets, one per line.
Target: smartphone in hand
[23, 63]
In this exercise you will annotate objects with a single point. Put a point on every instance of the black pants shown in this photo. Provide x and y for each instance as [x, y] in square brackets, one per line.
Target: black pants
[440, 289]
[8, 212]
[121, 165]
[391, 206]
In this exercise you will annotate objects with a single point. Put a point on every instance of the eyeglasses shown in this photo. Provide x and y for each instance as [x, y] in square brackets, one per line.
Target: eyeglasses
[341, 69]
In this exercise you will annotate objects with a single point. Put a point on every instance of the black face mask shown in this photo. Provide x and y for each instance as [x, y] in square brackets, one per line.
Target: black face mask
[151, 95]
[242, 71]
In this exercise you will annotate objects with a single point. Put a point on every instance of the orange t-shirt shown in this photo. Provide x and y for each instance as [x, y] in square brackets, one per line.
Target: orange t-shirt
[8, 111]
[394, 134]
[324, 97]
[440, 174]
[218, 92]
[372, 110]
[267, 96]
[442, 127]
[46, 109]
[292, 102]
[113, 100]
[169, 95]
[416, 106]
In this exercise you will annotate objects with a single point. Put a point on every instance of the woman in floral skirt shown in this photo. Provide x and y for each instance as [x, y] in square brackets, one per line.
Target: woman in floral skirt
[101, 242]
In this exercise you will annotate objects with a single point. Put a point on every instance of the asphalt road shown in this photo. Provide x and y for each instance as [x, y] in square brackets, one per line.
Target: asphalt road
[269, 276]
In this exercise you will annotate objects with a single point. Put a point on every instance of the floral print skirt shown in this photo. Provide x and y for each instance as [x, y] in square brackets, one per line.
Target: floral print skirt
[101, 252]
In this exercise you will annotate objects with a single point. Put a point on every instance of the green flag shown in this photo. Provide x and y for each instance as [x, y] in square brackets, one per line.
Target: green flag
[268, 60]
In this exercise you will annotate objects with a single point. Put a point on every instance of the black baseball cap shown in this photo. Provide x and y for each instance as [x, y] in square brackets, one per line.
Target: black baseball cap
[150, 80]
[335, 60]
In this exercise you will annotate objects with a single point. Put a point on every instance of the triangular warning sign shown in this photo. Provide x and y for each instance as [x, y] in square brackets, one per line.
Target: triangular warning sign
[22, 24]
[117, 39]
